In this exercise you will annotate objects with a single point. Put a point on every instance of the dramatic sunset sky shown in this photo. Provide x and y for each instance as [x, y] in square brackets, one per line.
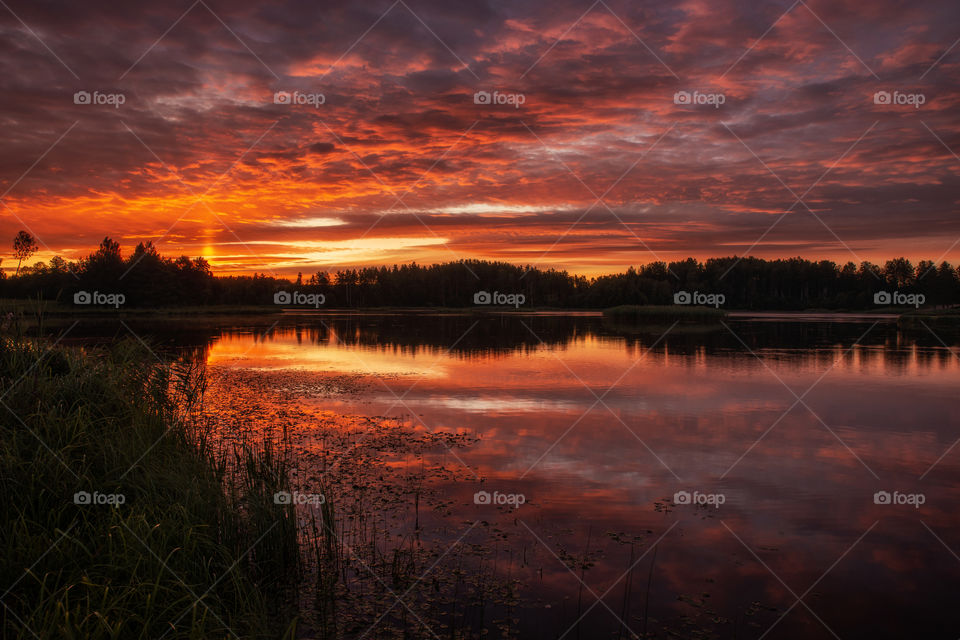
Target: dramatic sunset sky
[596, 170]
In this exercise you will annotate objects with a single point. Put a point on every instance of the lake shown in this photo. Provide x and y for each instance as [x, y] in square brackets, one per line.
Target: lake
[558, 476]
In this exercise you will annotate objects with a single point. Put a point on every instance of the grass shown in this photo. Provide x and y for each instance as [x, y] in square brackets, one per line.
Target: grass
[650, 314]
[197, 542]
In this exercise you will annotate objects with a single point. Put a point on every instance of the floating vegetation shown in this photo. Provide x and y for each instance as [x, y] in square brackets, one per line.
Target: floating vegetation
[384, 518]
[397, 548]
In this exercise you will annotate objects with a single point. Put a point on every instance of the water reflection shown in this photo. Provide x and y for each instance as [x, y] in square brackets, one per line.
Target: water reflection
[797, 424]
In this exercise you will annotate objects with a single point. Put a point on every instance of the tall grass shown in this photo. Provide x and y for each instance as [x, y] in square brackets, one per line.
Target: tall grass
[195, 545]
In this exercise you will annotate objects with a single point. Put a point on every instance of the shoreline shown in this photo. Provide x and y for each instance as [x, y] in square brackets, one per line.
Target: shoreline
[55, 309]
[31, 313]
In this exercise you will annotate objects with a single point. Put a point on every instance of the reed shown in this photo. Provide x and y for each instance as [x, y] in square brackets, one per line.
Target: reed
[183, 547]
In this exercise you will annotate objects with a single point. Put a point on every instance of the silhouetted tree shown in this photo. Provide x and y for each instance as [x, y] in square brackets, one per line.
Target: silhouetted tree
[24, 246]
[149, 279]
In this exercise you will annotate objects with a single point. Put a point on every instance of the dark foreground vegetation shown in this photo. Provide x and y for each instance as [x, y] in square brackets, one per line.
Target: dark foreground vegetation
[147, 279]
[118, 518]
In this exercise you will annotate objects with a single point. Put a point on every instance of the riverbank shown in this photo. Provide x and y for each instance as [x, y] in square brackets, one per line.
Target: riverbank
[120, 519]
[54, 309]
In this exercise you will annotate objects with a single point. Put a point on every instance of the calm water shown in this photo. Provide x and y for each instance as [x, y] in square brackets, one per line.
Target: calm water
[601, 429]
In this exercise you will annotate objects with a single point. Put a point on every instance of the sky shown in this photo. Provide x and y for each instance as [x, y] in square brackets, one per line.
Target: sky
[302, 136]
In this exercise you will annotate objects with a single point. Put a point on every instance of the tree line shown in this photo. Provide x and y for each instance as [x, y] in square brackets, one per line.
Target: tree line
[147, 279]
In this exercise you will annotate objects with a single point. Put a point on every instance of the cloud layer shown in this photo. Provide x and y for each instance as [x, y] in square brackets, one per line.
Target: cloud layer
[299, 136]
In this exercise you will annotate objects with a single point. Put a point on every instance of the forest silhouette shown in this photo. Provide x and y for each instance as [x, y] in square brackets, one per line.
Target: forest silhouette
[148, 279]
